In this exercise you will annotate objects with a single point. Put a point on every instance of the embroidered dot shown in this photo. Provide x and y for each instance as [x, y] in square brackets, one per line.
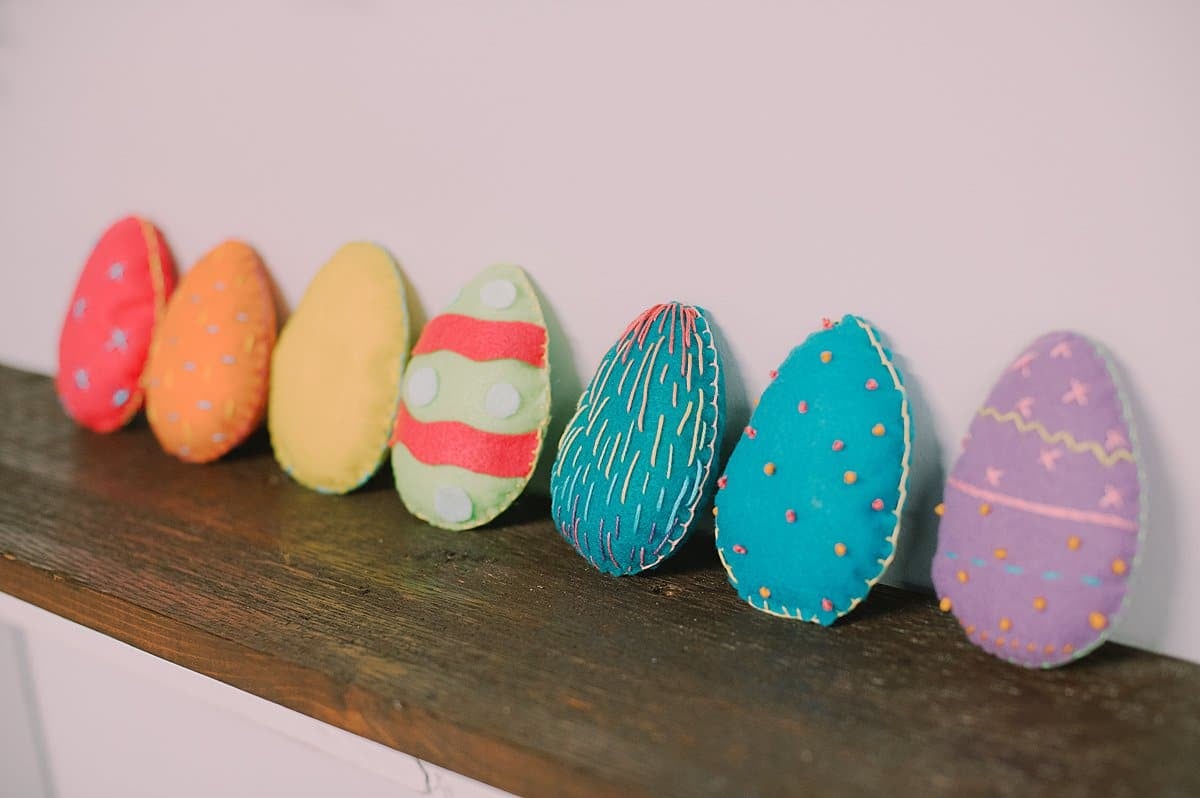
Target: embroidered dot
[872, 384]
[1000, 554]
[773, 373]
[969, 630]
[945, 605]
[219, 285]
[877, 505]
[120, 397]
[1073, 543]
[802, 407]
[242, 316]
[985, 509]
[751, 433]
[502, 400]
[78, 309]
[839, 549]
[722, 481]
[940, 510]
[714, 511]
[195, 299]
[228, 360]
[212, 329]
[1039, 603]
[878, 430]
[826, 323]
[769, 469]
[1049, 649]
[498, 294]
[1119, 567]
[173, 416]
[1005, 624]
[422, 387]
[185, 450]
[82, 382]
[203, 404]
[452, 503]
[826, 356]
[116, 271]
[826, 605]
[1032, 647]
[999, 641]
[984, 635]
[218, 437]
[839, 445]
[849, 477]
[962, 577]
[790, 516]
[1097, 620]
[189, 365]
[1067, 648]
[765, 592]
[738, 548]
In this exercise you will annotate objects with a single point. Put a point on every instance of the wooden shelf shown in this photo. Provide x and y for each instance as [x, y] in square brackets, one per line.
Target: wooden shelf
[502, 655]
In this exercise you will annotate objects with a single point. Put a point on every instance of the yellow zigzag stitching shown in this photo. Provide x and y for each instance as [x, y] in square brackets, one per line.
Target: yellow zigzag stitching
[1064, 437]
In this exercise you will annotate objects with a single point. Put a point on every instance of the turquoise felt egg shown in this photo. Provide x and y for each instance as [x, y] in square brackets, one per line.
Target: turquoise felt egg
[809, 506]
[638, 459]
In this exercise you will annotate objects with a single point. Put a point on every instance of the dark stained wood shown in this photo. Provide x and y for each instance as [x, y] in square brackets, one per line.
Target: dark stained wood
[502, 655]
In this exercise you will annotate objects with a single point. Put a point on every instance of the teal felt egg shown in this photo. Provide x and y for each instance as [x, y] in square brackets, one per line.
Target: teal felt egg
[638, 459]
[809, 506]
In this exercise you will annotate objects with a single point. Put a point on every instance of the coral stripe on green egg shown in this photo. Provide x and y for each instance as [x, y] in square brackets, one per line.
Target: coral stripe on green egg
[638, 459]
[475, 403]
[809, 506]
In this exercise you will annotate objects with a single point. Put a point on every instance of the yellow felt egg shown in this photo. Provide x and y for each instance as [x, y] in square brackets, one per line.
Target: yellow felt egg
[335, 374]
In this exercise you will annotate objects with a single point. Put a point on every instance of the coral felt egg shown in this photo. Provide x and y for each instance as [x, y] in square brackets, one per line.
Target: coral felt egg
[1048, 478]
[106, 334]
[206, 379]
[336, 371]
[638, 459]
[807, 534]
[475, 403]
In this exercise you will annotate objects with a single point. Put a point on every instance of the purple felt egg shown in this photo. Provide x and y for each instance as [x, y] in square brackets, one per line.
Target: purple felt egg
[1042, 518]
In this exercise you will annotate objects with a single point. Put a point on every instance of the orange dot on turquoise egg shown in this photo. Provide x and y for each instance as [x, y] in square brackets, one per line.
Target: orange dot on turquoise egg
[826, 356]
[839, 549]
[878, 430]
[769, 469]
[765, 592]
[850, 477]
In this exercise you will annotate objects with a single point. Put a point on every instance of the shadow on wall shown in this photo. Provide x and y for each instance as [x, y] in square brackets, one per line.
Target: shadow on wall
[565, 390]
[917, 542]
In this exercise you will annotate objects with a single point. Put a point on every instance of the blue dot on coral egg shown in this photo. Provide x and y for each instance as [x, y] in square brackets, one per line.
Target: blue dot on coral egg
[120, 397]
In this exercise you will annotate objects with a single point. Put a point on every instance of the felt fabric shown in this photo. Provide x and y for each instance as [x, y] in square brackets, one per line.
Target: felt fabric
[206, 379]
[475, 403]
[809, 506]
[336, 371]
[638, 459]
[106, 334]
[1042, 519]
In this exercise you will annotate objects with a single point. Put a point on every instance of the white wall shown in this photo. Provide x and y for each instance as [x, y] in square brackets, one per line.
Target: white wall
[966, 178]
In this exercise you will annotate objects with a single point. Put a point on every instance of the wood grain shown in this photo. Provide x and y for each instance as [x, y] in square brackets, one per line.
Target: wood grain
[501, 654]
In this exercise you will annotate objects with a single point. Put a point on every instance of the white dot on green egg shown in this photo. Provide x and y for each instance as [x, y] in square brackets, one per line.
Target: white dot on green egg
[453, 504]
[422, 387]
[498, 294]
[502, 400]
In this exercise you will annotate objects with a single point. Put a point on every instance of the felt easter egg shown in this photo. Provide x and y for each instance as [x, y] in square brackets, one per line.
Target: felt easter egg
[475, 403]
[809, 506]
[1042, 518]
[106, 335]
[637, 461]
[206, 379]
[336, 371]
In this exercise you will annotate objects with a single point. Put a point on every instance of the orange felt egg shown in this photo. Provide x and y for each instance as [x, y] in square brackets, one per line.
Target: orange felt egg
[206, 379]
